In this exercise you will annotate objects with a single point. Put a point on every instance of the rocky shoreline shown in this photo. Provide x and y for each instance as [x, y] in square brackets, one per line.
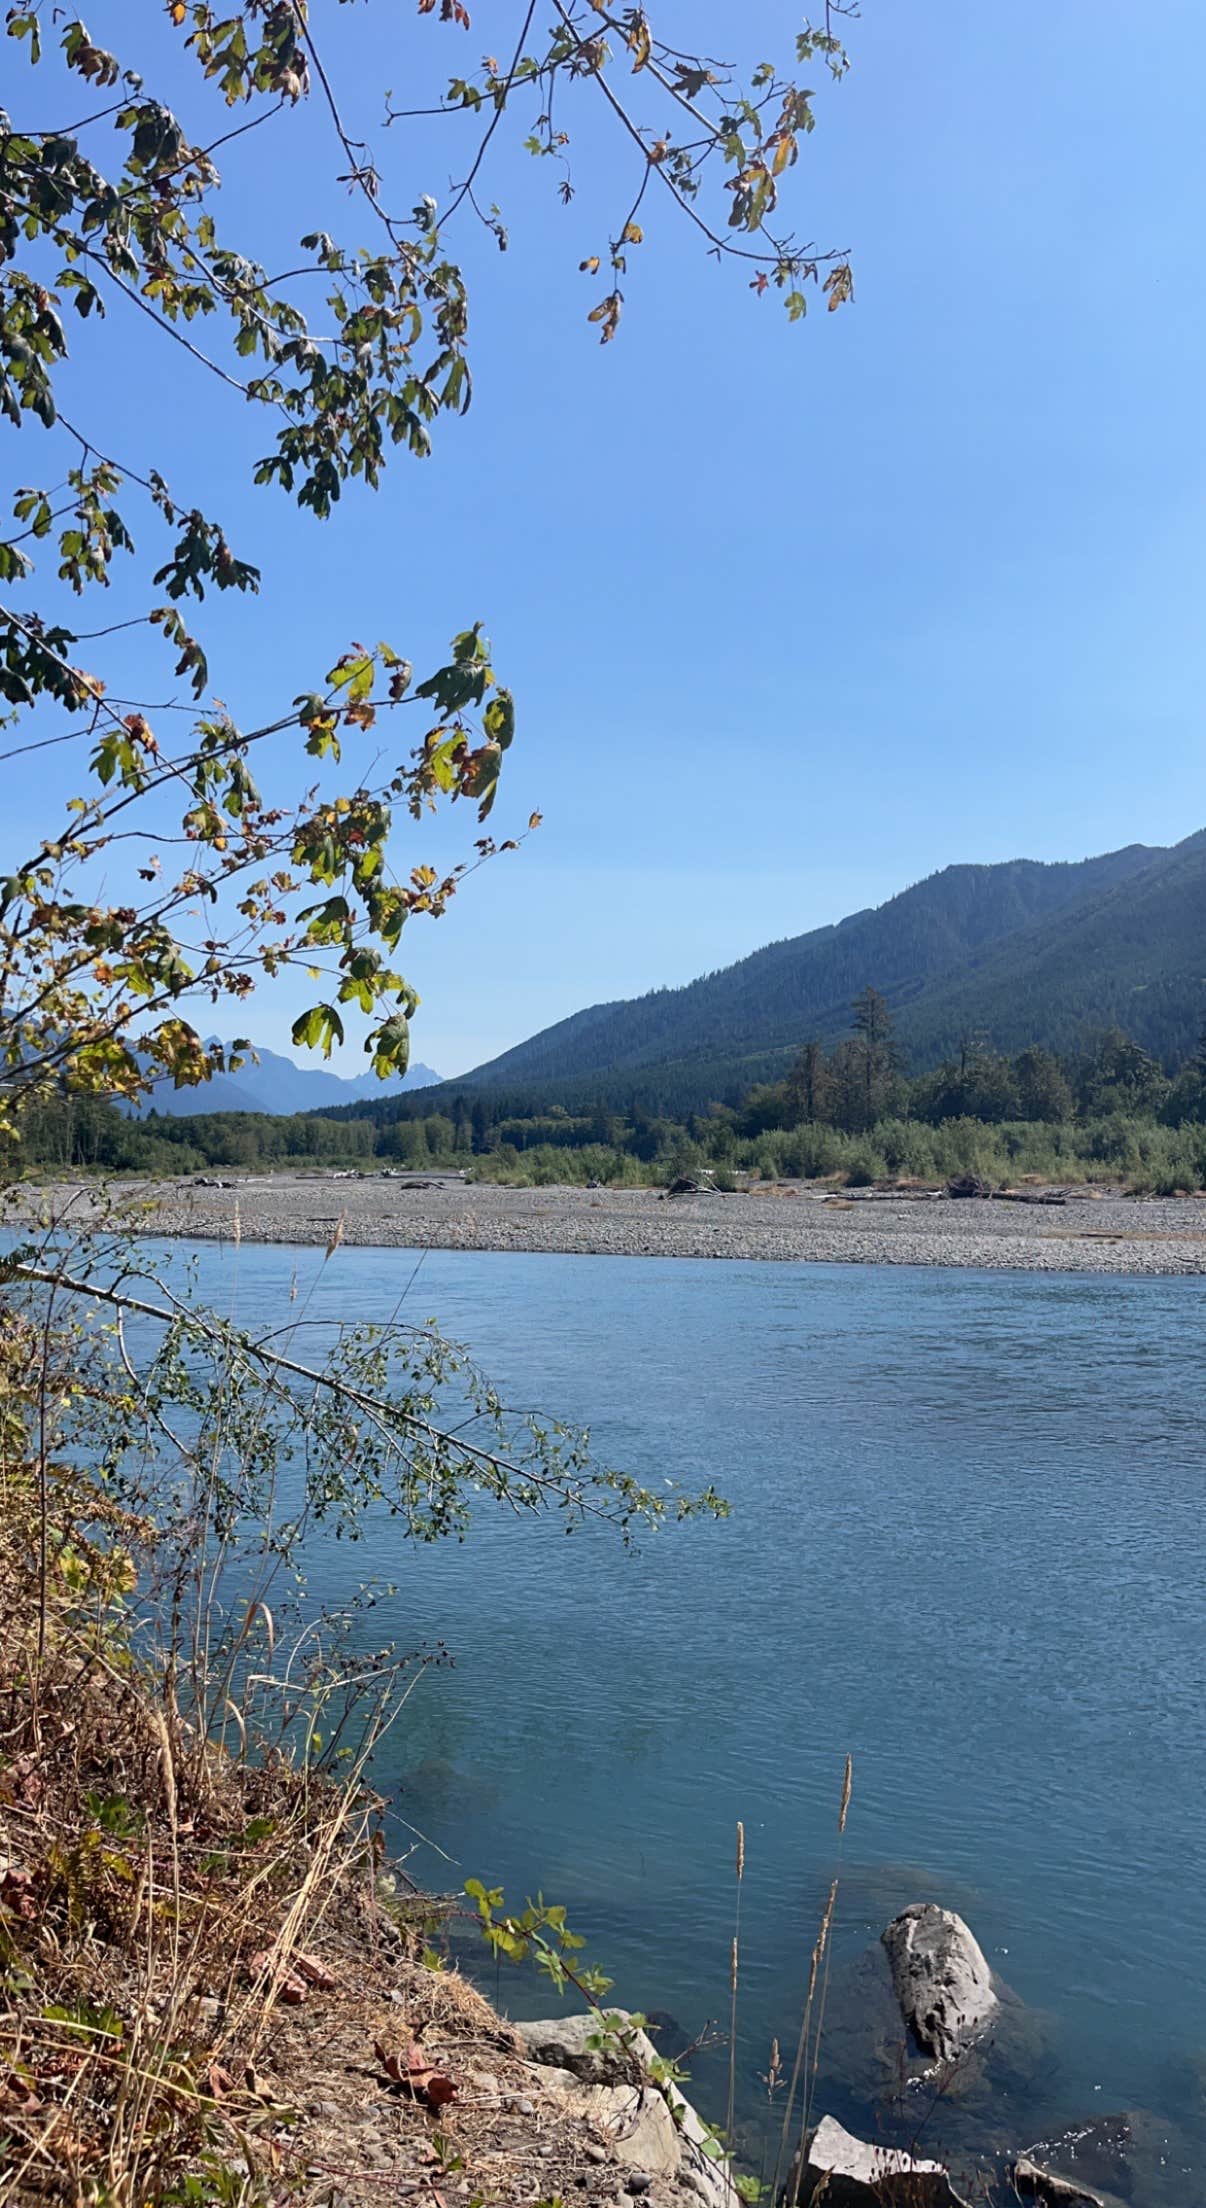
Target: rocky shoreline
[950, 2063]
[1088, 1232]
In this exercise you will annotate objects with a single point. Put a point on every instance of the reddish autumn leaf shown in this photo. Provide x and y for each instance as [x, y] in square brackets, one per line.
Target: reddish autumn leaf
[17, 2094]
[418, 2076]
[16, 1894]
[314, 1972]
[287, 1986]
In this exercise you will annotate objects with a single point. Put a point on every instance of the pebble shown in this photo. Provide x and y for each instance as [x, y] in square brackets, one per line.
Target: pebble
[637, 2181]
[1156, 1235]
[516, 2104]
[595, 2153]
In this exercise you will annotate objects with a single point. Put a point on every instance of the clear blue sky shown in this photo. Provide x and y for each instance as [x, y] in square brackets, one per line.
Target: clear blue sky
[794, 615]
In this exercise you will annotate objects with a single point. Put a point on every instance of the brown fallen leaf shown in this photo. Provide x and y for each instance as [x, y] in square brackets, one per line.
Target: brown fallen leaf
[287, 1986]
[262, 2090]
[21, 1783]
[17, 2094]
[314, 1972]
[420, 2077]
[219, 2081]
[16, 1891]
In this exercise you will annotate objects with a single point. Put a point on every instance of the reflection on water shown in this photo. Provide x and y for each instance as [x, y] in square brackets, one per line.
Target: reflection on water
[967, 1544]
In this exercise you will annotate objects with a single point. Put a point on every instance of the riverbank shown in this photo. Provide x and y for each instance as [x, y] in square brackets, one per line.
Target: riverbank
[216, 1991]
[1090, 1231]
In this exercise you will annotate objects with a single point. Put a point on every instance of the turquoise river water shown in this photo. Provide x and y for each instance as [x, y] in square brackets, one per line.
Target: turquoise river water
[967, 1545]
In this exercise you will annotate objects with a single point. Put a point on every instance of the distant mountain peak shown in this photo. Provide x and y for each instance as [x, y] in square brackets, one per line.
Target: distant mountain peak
[272, 1083]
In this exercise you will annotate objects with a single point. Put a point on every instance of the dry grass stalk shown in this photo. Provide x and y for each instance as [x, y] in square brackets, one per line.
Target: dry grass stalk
[141, 1866]
[802, 2070]
[734, 1973]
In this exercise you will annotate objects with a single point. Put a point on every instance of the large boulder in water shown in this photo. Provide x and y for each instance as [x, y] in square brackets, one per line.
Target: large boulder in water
[993, 2097]
[941, 1978]
[845, 2172]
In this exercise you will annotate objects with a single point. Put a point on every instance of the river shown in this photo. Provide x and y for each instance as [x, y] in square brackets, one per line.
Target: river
[967, 1546]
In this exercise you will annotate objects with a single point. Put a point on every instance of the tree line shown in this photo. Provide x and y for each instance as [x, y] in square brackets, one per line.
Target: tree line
[851, 1110]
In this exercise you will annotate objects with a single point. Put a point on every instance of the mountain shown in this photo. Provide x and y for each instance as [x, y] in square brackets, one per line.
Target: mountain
[1133, 957]
[276, 1085]
[1019, 952]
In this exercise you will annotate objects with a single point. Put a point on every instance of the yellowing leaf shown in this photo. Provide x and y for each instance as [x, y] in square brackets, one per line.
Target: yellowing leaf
[640, 45]
[633, 234]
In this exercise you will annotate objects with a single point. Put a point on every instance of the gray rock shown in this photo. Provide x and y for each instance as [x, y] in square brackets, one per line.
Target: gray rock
[650, 2128]
[1134, 2156]
[634, 2119]
[941, 1978]
[563, 2043]
[1034, 2183]
[846, 2172]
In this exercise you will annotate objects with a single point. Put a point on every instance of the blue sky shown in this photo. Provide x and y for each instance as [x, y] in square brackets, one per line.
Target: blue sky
[795, 615]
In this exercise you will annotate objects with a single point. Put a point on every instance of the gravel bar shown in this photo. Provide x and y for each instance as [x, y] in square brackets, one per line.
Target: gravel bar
[1091, 1232]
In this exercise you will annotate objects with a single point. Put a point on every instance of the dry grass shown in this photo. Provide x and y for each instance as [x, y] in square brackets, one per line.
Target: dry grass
[198, 1977]
[200, 1968]
[159, 1897]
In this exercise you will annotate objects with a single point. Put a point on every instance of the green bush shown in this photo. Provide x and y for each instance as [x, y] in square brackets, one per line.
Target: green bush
[864, 1166]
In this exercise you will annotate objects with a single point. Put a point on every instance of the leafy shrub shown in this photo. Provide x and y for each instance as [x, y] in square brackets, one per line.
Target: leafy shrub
[863, 1166]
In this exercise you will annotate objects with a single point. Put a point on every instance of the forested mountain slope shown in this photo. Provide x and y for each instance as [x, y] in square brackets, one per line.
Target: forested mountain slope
[1022, 950]
[1133, 957]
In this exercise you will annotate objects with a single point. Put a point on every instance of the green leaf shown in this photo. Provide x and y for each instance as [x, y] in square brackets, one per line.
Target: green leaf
[498, 720]
[318, 1029]
[390, 1046]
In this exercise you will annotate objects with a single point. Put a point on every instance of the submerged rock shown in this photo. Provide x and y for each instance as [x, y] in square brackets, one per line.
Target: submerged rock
[1034, 2183]
[846, 2172]
[1134, 2156]
[941, 1978]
